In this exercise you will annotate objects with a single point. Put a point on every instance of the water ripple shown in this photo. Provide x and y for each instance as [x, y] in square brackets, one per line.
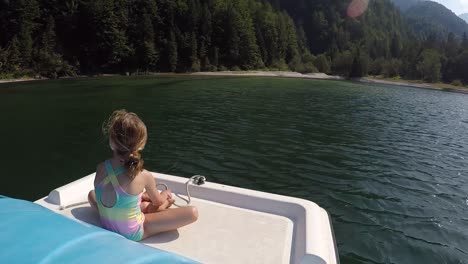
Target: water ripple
[388, 163]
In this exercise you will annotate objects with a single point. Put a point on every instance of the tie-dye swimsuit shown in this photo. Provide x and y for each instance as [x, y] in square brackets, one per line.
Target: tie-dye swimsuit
[125, 217]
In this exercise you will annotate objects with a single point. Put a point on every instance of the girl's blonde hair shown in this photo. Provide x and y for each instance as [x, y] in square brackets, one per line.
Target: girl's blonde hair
[127, 136]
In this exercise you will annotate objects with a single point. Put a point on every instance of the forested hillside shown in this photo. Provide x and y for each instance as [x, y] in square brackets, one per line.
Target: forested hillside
[65, 37]
[55, 37]
[405, 4]
[430, 16]
[379, 42]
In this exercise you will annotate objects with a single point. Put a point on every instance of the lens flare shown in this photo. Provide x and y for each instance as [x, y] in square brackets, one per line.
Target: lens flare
[357, 8]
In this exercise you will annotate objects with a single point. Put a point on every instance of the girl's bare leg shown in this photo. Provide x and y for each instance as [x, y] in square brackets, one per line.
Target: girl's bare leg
[92, 200]
[170, 219]
[148, 207]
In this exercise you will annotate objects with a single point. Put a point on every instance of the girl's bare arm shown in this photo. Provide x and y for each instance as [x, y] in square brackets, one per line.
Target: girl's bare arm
[158, 199]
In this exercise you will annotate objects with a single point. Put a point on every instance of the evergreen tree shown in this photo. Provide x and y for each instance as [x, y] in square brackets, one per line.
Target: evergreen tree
[461, 64]
[248, 49]
[195, 67]
[451, 46]
[3, 60]
[111, 40]
[464, 44]
[429, 66]
[25, 46]
[359, 66]
[13, 56]
[376, 66]
[48, 63]
[266, 22]
[215, 60]
[25, 13]
[149, 54]
[396, 46]
[205, 37]
[343, 63]
[48, 40]
[232, 42]
[292, 50]
[172, 49]
[323, 63]
[391, 68]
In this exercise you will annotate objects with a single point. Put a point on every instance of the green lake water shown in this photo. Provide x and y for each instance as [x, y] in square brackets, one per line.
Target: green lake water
[388, 163]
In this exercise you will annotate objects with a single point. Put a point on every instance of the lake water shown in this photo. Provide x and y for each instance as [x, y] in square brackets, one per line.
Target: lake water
[389, 163]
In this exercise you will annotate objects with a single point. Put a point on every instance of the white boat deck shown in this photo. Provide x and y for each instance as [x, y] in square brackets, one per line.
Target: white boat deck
[217, 222]
[234, 226]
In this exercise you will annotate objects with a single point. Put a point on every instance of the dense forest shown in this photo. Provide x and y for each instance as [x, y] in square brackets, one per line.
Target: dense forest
[55, 38]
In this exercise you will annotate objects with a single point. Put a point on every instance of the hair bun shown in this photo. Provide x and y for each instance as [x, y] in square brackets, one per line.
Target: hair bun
[134, 163]
[133, 159]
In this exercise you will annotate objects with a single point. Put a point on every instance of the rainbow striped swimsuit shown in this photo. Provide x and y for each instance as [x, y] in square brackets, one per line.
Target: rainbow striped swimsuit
[125, 217]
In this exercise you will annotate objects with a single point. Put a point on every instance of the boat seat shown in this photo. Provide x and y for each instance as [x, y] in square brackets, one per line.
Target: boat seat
[34, 234]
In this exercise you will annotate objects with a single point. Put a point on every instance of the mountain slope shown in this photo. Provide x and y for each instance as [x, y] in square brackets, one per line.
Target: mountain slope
[405, 4]
[464, 17]
[430, 17]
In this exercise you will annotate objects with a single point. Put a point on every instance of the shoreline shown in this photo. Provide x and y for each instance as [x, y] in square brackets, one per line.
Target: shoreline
[282, 74]
[20, 80]
[404, 83]
[317, 76]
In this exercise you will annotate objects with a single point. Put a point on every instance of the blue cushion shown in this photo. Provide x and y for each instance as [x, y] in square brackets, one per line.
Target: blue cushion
[31, 233]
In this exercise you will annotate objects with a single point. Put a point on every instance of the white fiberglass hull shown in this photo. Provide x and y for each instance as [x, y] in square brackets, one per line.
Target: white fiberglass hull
[235, 225]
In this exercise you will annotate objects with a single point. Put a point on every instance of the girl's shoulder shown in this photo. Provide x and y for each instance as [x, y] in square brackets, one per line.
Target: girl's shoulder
[143, 177]
[100, 172]
[144, 174]
[101, 167]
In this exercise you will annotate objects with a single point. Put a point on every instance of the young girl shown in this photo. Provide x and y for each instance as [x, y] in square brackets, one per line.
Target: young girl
[120, 181]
